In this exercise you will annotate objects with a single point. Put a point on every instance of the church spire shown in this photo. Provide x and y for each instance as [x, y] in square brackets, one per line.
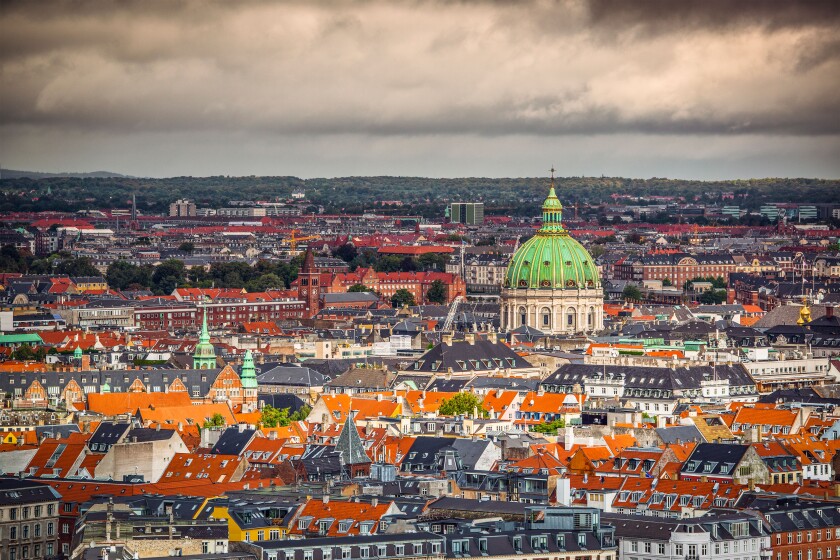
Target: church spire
[552, 211]
[205, 355]
[248, 373]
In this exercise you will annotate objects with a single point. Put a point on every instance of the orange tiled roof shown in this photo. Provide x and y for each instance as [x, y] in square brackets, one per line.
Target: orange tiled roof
[211, 468]
[75, 445]
[619, 442]
[187, 414]
[111, 404]
[351, 512]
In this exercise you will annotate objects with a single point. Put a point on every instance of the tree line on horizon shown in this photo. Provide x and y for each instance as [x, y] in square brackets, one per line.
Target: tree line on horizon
[420, 196]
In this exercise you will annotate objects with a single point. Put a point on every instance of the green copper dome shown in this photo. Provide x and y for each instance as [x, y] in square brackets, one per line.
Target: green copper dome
[552, 259]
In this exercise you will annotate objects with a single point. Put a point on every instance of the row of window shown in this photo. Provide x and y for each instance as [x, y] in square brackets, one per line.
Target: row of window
[27, 512]
[809, 554]
[30, 552]
[809, 536]
[30, 532]
[371, 551]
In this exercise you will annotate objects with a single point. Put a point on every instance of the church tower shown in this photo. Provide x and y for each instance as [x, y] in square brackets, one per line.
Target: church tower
[205, 355]
[309, 289]
[248, 377]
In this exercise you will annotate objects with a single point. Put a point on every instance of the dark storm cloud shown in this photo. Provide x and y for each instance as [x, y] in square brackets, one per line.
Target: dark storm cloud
[440, 69]
[667, 16]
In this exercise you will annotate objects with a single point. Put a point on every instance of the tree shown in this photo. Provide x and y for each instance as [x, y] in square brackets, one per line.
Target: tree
[80, 266]
[631, 292]
[636, 238]
[216, 421]
[300, 414]
[550, 427]
[402, 297]
[436, 292]
[167, 276]
[667, 282]
[265, 282]
[462, 403]
[187, 247]
[25, 353]
[346, 252]
[121, 274]
[712, 297]
[272, 417]
[355, 288]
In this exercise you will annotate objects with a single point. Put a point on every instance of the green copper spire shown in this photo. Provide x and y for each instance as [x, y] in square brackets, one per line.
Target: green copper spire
[552, 211]
[205, 354]
[77, 353]
[248, 373]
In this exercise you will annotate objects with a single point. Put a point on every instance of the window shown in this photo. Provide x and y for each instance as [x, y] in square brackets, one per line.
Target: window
[308, 554]
[345, 552]
[50, 529]
[418, 548]
[400, 550]
[205, 547]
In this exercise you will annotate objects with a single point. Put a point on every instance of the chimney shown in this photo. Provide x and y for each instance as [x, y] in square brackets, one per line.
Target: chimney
[568, 438]
[470, 338]
[446, 339]
[492, 338]
[374, 502]
[829, 311]
[326, 498]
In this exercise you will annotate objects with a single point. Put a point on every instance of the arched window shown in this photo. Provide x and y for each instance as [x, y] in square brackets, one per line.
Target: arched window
[591, 317]
[571, 320]
[522, 316]
[545, 312]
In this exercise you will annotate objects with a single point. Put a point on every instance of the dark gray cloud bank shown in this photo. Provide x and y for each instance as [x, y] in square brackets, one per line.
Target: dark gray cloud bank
[708, 89]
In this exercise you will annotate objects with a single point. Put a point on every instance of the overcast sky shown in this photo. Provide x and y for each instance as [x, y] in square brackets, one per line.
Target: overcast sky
[708, 89]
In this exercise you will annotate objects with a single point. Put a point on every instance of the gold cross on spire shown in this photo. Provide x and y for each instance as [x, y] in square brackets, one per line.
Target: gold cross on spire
[552, 172]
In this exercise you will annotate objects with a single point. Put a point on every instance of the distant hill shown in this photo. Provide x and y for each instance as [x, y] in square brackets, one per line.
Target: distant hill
[17, 174]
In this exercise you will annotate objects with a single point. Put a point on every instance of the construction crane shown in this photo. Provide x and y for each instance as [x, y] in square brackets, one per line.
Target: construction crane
[294, 240]
[450, 317]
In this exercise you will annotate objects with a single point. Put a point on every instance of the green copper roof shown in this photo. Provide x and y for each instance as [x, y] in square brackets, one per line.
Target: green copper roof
[248, 373]
[205, 354]
[552, 259]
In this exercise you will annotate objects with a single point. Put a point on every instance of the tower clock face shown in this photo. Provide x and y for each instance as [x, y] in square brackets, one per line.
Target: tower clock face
[303, 291]
[314, 291]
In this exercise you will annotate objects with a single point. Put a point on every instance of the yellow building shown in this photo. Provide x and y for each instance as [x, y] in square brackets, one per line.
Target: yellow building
[253, 522]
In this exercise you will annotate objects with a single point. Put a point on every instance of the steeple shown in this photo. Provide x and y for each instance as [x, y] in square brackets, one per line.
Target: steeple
[248, 373]
[205, 354]
[552, 211]
[350, 446]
